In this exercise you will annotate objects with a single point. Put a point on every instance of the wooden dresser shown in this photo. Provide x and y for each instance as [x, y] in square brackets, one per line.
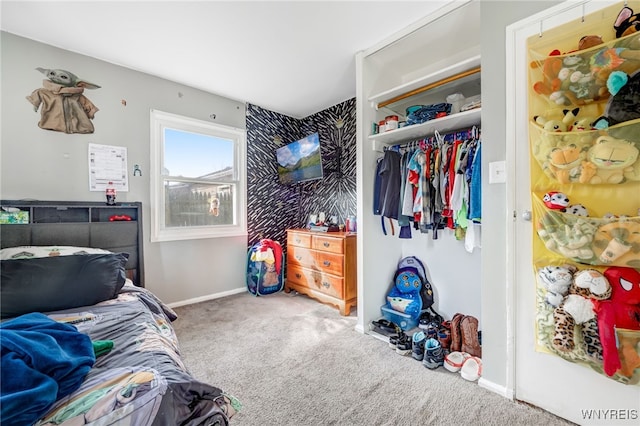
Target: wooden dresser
[323, 266]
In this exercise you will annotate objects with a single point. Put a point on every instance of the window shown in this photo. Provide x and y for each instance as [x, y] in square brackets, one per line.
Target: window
[197, 179]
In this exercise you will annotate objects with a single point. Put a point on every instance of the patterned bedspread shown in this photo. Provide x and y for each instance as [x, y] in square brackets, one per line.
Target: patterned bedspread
[141, 379]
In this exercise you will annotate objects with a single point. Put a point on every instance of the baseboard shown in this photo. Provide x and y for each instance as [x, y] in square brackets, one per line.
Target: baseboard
[494, 387]
[207, 297]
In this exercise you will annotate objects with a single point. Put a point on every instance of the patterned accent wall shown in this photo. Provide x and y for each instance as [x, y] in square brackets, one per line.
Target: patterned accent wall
[271, 207]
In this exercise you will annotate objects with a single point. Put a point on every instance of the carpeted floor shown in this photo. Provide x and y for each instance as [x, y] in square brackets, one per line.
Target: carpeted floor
[293, 361]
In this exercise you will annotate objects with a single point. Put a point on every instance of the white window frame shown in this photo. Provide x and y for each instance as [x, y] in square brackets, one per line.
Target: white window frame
[159, 232]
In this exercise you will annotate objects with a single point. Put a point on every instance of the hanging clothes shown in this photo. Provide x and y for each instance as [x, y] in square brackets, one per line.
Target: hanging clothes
[434, 183]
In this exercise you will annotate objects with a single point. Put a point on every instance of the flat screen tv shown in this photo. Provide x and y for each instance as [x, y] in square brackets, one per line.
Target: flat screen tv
[300, 161]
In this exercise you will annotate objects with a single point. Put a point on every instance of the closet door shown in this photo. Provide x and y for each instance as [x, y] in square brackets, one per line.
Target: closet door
[565, 388]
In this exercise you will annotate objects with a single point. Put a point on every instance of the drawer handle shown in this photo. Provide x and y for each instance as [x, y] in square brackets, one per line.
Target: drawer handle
[298, 257]
[326, 263]
[298, 275]
[326, 284]
[298, 240]
[326, 244]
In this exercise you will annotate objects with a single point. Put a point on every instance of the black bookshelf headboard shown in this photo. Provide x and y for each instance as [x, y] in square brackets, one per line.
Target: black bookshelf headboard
[76, 223]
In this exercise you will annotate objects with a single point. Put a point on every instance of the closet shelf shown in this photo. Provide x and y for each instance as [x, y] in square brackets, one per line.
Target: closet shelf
[440, 74]
[461, 120]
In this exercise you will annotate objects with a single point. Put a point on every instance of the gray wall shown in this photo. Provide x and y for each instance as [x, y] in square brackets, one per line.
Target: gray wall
[48, 165]
[496, 16]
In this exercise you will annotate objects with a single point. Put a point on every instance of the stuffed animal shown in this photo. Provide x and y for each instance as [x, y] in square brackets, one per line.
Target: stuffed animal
[65, 108]
[556, 281]
[624, 105]
[621, 310]
[614, 58]
[578, 308]
[617, 242]
[571, 236]
[627, 22]
[566, 77]
[555, 125]
[577, 210]
[556, 200]
[609, 160]
[550, 83]
[565, 163]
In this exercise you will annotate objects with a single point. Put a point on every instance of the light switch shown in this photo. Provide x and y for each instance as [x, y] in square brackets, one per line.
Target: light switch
[497, 172]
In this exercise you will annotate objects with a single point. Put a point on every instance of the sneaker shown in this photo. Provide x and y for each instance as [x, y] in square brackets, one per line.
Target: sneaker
[403, 346]
[417, 345]
[471, 369]
[433, 355]
[393, 340]
[454, 361]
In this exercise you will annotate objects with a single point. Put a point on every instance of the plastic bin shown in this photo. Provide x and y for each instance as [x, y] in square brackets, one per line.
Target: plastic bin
[402, 320]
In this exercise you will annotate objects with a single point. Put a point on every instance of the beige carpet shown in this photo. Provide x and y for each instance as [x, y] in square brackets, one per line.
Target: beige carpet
[293, 361]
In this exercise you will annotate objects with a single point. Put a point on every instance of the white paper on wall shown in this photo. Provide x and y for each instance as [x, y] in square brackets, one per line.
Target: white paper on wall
[107, 164]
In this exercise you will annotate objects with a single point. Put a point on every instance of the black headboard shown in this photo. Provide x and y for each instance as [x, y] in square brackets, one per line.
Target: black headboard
[76, 223]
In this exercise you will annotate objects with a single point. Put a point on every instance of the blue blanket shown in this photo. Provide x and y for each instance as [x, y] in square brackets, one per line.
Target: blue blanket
[42, 361]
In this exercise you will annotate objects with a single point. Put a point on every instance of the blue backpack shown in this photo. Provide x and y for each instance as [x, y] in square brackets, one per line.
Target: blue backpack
[426, 290]
[265, 268]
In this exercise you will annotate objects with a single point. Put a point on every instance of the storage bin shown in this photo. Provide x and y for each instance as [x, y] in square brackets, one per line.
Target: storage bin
[402, 320]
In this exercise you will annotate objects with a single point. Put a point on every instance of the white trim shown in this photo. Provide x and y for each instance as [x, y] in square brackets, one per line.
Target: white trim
[496, 388]
[207, 297]
[158, 121]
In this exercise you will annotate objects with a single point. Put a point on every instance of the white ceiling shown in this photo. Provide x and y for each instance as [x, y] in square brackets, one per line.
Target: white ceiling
[292, 57]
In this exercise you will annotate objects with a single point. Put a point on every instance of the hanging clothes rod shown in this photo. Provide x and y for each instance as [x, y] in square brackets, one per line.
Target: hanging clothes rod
[470, 133]
[430, 86]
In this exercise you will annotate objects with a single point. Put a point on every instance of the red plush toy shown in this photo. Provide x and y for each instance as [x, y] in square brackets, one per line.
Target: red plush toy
[621, 311]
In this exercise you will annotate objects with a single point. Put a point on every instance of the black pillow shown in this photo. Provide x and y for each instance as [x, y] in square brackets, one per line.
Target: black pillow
[61, 282]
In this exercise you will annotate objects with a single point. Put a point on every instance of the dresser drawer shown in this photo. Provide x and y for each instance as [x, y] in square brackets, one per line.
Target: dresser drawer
[316, 280]
[300, 256]
[299, 239]
[330, 244]
[329, 262]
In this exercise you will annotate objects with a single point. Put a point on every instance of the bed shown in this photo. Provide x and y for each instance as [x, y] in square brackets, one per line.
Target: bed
[83, 341]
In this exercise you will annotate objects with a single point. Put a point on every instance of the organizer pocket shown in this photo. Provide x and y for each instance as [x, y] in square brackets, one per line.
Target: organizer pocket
[580, 77]
[607, 156]
[589, 240]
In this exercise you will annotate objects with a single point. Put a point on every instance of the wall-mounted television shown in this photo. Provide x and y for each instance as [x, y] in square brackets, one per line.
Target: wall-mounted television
[300, 161]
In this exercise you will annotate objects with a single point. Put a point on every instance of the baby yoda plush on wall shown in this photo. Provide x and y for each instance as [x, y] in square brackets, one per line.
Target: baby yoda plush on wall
[64, 107]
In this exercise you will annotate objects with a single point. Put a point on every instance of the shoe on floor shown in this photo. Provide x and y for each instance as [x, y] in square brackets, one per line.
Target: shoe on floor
[454, 361]
[417, 345]
[456, 338]
[433, 354]
[469, 336]
[403, 347]
[384, 327]
[393, 339]
[471, 369]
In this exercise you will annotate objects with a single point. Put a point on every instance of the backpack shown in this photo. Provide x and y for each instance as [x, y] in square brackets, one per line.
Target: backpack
[426, 291]
[265, 268]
